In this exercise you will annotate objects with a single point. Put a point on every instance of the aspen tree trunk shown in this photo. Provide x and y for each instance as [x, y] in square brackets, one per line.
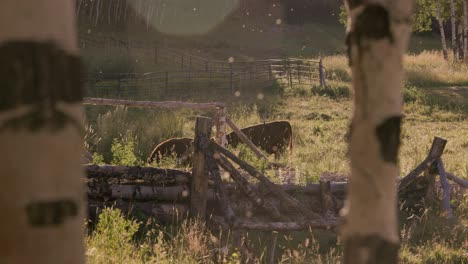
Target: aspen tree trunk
[442, 30]
[465, 30]
[460, 41]
[377, 38]
[42, 200]
[454, 30]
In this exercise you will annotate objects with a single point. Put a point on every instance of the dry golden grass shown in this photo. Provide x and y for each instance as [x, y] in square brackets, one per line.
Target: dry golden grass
[426, 69]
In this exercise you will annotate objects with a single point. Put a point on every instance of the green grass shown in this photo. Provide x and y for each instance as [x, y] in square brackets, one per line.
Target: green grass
[436, 104]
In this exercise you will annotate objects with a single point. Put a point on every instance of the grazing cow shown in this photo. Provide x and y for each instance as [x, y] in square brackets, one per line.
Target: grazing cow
[273, 137]
[172, 147]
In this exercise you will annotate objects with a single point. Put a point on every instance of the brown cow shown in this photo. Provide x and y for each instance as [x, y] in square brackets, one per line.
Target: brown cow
[175, 146]
[273, 137]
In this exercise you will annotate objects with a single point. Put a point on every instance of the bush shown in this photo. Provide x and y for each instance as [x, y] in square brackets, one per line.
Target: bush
[336, 91]
[122, 123]
[111, 241]
[123, 152]
[412, 94]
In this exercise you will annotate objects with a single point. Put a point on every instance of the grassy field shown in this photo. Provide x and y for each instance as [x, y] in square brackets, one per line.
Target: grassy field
[436, 104]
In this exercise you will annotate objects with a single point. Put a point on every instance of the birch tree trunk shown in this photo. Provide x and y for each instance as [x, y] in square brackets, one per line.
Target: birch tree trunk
[377, 38]
[442, 30]
[454, 30]
[465, 30]
[460, 42]
[42, 199]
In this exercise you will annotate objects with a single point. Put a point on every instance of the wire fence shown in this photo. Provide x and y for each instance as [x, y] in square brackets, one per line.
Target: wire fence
[195, 76]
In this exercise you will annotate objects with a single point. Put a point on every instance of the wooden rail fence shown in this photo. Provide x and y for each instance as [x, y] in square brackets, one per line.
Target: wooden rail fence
[195, 74]
[171, 195]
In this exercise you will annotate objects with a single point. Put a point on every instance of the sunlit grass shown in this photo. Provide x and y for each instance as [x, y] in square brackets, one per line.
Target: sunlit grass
[320, 121]
[426, 69]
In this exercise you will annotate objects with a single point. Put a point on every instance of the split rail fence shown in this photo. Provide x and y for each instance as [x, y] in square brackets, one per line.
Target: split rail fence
[237, 202]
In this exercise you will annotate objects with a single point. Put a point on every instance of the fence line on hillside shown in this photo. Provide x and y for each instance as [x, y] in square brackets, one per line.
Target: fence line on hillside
[195, 75]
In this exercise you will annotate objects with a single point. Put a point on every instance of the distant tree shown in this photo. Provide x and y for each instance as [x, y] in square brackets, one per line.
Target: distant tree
[377, 38]
[465, 30]
[442, 30]
[453, 21]
[343, 17]
[426, 11]
[423, 15]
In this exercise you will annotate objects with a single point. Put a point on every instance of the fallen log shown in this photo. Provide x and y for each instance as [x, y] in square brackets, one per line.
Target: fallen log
[162, 212]
[140, 192]
[248, 189]
[261, 225]
[137, 191]
[314, 189]
[285, 197]
[329, 224]
[153, 176]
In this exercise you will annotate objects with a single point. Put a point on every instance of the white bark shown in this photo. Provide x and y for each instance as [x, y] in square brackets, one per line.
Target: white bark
[42, 198]
[442, 31]
[454, 30]
[378, 36]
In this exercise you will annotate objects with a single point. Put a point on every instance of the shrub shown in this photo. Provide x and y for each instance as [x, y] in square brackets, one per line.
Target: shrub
[111, 241]
[123, 152]
[336, 91]
[146, 128]
[411, 94]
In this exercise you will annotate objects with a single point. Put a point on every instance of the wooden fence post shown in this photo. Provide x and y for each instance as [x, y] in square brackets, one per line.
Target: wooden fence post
[221, 126]
[323, 78]
[310, 73]
[299, 64]
[155, 55]
[166, 81]
[119, 86]
[190, 72]
[326, 197]
[270, 72]
[199, 185]
[210, 81]
[230, 81]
